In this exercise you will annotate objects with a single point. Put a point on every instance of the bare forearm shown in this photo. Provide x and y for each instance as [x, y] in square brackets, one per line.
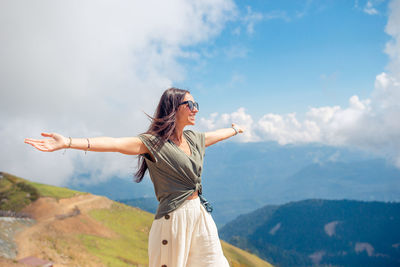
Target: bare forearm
[55, 141]
[219, 135]
[97, 144]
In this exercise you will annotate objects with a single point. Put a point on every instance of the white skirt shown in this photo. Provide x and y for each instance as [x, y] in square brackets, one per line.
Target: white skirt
[187, 237]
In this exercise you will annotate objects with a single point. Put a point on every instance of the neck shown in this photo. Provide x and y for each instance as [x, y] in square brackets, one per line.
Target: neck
[178, 133]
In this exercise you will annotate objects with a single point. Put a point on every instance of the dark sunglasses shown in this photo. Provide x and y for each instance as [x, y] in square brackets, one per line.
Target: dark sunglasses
[191, 104]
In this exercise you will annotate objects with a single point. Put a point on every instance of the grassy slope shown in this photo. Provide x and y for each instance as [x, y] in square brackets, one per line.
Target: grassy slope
[54, 191]
[240, 258]
[132, 226]
[43, 189]
[130, 248]
[15, 194]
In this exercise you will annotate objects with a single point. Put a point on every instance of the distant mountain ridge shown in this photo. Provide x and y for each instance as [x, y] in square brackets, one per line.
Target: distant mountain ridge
[148, 204]
[368, 180]
[321, 233]
[241, 177]
[116, 188]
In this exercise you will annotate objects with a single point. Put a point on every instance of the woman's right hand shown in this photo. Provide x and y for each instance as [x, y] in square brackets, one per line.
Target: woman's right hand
[55, 142]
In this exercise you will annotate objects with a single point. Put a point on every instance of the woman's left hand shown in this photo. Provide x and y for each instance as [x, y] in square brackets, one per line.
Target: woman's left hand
[240, 129]
[221, 134]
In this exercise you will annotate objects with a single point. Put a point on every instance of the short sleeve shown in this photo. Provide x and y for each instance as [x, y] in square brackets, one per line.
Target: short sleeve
[201, 137]
[150, 142]
[199, 140]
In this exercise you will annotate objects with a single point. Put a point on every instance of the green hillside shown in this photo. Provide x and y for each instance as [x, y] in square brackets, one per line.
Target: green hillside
[15, 193]
[133, 226]
[113, 236]
[129, 247]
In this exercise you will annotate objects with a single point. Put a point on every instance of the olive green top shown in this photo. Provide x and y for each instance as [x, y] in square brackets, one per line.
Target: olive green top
[175, 174]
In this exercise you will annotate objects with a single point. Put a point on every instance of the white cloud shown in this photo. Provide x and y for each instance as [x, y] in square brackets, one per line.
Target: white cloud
[369, 9]
[251, 18]
[287, 129]
[393, 46]
[306, 8]
[369, 124]
[89, 68]
[240, 117]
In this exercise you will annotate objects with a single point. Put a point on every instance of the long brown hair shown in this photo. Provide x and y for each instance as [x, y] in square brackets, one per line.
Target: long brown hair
[163, 123]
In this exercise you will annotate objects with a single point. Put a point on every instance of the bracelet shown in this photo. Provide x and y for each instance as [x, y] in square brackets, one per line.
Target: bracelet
[69, 145]
[88, 145]
[236, 130]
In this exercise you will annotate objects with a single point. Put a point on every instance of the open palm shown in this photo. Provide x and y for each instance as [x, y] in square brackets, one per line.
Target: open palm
[55, 142]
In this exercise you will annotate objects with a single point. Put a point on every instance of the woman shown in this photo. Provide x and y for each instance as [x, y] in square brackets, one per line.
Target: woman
[183, 233]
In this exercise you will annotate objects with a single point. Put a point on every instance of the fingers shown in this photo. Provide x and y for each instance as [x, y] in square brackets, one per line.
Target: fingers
[241, 129]
[29, 140]
[47, 134]
[42, 145]
[37, 140]
[39, 146]
[33, 141]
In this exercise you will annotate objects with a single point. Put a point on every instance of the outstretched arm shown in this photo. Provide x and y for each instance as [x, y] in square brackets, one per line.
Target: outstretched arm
[124, 145]
[221, 134]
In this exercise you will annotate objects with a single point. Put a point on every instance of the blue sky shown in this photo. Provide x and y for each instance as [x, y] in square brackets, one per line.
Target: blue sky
[299, 54]
[291, 72]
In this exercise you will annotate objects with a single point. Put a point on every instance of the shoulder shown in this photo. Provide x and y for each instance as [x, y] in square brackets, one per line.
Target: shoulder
[189, 132]
[150, 140]
[194, 134]
[148, 137]
[196, 137]
[153, 146]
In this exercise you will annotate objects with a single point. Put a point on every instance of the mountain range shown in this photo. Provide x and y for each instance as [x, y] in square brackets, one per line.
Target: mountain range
[241, 177]
[320, 233]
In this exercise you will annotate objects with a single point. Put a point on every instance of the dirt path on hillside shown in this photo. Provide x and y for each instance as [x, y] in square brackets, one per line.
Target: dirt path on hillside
[56, 222]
